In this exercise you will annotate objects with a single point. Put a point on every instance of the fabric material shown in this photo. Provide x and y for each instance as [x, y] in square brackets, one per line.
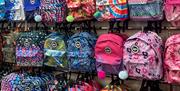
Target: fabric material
[55, 51]
[29, 48]
[80, 52]
[171, 63]
[53, 11]
[143, 56]
[112, 9]
[146, 10]
[81, 9]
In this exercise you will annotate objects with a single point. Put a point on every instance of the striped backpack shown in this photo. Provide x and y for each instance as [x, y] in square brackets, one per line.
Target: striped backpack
[172, 59]
[143, 56]
[111, 10]
[52, 11]
[55, 50]
[146, 10]
[80, 10]
[172, 12]
[30, 49]
[80, 52]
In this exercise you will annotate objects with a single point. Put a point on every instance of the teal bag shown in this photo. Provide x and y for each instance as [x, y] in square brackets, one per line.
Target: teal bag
[2, 10]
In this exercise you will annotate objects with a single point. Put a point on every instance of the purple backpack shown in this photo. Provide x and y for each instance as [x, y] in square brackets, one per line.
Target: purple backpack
[29, 48]
[143, 56]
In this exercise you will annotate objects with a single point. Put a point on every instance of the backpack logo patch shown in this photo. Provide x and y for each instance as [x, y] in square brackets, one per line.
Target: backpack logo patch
[135, 48]
[107, 50]
[77, 44]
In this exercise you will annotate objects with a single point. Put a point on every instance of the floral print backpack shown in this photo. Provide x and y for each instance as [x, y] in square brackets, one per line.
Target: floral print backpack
[143, 56]
[172, 59]
[30, 49]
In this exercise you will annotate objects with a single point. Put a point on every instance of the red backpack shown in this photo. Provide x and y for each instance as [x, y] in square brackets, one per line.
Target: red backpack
[109, 54]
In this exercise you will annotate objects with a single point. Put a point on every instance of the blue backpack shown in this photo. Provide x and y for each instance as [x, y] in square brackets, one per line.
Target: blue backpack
[31, 8]
[2, 10]
[80, 52]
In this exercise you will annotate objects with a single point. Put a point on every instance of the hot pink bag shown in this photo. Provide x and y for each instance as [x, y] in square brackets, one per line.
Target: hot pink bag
[109, 54]
[143, 56]
[172, 59]
[172, 12]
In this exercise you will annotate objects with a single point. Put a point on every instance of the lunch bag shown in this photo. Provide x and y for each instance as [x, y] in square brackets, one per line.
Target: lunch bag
[172, 59]
[109, 54]
[55, 50]
[142, 56]
[80, 52]
[30, 49]
[111, 10]
[146, 10]
[172, 12]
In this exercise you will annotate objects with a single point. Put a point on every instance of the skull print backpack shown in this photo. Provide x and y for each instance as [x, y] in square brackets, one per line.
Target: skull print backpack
[172, 59]
[143, 56]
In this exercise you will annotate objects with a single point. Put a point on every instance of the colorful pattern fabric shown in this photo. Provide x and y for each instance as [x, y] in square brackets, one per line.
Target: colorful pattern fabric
[172, 12]
[171, 62]
[9, 47]
[80, 52]
[146, 10]
[55, 51]
[109, 53]
[143, 56]
[15, 10]
[53, 11]
[2, 10]
[29, 48]
[81, 9]
[111, 10]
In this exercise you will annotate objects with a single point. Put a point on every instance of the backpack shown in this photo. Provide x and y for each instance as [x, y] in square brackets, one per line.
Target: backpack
[111, 10]
[109, 53]
[53, 11]
[55, 50]
[81, 9]
[31, 7]
[171, 59]
[9, 47]
[172, 12]
[30, 49]
[15, 10]
[80, 52]
[142, 56]
[146, 10]
[2, 10]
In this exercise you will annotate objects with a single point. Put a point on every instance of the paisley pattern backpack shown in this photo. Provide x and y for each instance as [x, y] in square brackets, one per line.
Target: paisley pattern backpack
[172, 12]
[29, 48]
[171, 61]
[81, 9]
[9, 47]
[80, 52]
[146, 10]
[143, 56]
[55, 50]
[53, 11]
[111, 10]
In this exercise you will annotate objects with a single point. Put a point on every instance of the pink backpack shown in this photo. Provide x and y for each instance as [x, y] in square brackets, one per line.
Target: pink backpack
[143, 56]
[172, 12]
[109, 54]
[172, 59]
